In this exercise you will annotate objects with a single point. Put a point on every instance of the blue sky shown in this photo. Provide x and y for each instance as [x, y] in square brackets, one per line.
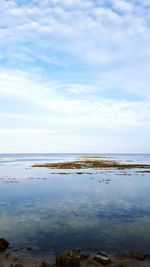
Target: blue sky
[75, 76]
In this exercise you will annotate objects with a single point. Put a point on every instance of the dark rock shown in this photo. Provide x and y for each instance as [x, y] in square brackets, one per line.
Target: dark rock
[139, 255]
[69, 259]
[84, 256]
[147, 256]
[3, 245]
[102, 259]
[77, 250]
[29, 248]
[15, 249]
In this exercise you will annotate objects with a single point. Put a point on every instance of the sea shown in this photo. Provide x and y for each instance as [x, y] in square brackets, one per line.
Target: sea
[55, 210]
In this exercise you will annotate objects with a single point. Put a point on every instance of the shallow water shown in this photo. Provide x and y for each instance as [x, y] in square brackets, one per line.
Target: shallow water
[39, 207]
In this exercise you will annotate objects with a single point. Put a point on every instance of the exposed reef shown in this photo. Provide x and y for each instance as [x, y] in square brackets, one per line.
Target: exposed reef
[89, 162]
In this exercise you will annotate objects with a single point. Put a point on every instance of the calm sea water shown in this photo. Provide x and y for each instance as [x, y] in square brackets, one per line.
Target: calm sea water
[39, 207]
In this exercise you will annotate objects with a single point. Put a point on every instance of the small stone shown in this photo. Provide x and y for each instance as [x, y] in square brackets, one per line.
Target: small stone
[3, 245]
[102, 259]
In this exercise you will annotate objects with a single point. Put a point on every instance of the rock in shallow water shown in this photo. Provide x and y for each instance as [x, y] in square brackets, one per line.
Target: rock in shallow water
[69, 259]
[139, 255]
[102, 259]
[3, 245]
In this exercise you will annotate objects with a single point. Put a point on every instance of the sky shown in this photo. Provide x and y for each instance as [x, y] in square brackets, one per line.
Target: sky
[75, 76]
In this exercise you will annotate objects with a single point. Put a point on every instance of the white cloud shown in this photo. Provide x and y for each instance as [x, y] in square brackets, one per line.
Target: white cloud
[123, 6]
[98, 35]
[58, 58]
[51, 109]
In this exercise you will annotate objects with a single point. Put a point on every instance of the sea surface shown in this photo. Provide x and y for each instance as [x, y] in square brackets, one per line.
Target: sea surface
[52, 210]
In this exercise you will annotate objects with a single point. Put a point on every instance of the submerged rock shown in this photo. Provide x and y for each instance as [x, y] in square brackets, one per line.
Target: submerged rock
[69, 259]
[3, 245]
[139, 255]
[29, 248]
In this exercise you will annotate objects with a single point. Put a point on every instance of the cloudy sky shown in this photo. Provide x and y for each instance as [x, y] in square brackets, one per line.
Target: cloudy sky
[75, 76]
